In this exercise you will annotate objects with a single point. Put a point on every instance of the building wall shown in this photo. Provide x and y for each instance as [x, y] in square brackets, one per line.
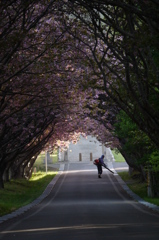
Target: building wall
[85, 147]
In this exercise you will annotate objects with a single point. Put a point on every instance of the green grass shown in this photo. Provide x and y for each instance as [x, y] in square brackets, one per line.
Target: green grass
[18, 193]
[40, 161]
[138, 187]
[117, 156]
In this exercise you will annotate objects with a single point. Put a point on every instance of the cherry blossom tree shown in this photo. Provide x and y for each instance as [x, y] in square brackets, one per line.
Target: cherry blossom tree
[29, 101]
[42, 98]
[127, 62]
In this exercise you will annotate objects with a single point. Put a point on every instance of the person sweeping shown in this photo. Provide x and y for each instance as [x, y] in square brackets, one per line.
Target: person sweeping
[99, 163]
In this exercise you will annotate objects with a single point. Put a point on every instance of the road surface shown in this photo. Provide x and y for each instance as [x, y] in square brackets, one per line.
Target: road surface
[83, 207]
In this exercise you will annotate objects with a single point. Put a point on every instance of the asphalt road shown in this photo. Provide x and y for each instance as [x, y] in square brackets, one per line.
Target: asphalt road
[83, 207]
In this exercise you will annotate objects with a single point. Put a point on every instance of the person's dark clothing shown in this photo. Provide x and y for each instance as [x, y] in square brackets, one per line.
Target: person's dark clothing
[101, 161]
[99, 166]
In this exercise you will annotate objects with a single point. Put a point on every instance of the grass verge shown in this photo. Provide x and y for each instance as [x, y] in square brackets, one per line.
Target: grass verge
[40, 161]
[18, 193]
[138, 187]
[118, 156]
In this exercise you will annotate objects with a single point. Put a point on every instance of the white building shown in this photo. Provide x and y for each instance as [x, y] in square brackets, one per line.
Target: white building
[86, 149]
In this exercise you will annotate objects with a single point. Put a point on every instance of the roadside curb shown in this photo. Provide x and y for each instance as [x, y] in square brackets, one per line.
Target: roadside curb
[46, 192]
[131, 193]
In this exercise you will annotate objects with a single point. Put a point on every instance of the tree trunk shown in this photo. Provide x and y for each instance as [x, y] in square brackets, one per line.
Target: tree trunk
[29, 168]
[143, 173]
[6, 175]
[130, 160]
[1, 180]
[150, 191]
